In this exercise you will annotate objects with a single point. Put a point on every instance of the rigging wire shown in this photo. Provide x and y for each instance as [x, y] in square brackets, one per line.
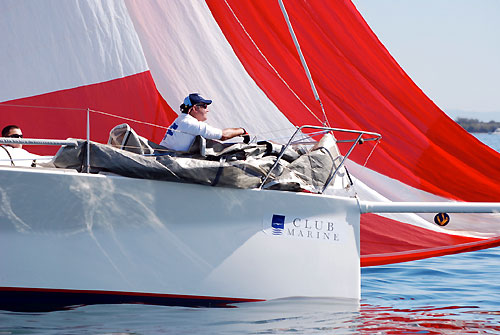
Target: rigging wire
[371, 152]
[128, 119]
[133, 120]
[309, 135]
[308, 73]
[84, 110]
[269, 63]
[44, 107]
[301, 141]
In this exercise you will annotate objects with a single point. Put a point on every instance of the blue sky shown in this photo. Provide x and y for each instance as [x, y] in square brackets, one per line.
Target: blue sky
[450, 48]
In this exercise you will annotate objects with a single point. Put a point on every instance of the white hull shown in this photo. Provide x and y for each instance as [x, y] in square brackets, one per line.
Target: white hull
[61, 230]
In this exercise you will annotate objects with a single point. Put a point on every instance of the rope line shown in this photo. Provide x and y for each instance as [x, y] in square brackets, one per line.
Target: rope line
[128, 119]
[85, 109]
[270, 65]
[44, 107]
[371, 152]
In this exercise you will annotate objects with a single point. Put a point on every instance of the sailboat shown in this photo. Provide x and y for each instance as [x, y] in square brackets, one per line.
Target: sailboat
[76, 70]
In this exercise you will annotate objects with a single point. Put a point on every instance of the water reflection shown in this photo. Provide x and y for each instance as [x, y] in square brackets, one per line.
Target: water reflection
[427, 320]
[283, 316]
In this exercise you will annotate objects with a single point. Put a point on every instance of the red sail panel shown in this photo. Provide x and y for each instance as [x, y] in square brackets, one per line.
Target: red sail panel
[362, 87]
[386, 241]
[134, 96]
[388, 236]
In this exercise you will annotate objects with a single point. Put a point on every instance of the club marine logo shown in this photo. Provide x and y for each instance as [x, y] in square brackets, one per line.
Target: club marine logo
[305, 228]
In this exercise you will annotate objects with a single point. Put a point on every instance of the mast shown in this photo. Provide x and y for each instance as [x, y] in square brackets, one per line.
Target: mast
[304, 63]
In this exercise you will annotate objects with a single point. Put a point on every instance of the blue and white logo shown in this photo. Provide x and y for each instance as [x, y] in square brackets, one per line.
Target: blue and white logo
[319, 228]
[278, 224]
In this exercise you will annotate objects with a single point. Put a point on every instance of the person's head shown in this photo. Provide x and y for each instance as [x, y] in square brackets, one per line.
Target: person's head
[13, 131]
[196, 106]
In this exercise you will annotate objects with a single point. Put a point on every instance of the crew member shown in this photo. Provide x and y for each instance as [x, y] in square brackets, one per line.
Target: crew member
[191, 123]
[13, 153]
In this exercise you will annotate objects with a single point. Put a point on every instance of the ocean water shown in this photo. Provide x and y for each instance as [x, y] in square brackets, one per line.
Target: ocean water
[456, 294]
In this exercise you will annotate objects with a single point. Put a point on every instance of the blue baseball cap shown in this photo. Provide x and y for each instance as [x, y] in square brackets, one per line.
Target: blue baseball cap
[195, 98]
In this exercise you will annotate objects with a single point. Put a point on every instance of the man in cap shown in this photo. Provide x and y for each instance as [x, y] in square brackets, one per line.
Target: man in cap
[190, 123]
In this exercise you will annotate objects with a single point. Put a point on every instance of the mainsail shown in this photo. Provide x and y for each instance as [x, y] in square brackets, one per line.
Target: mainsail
[138, 59]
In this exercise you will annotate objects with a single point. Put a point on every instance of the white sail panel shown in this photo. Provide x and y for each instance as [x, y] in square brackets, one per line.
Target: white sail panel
[52, 45]
[187, 52]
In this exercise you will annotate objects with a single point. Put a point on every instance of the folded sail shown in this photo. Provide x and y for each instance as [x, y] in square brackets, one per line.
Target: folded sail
[138, 59]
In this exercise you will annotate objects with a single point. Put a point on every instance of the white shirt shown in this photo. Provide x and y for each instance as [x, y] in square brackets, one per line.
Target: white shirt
[182, 132]
[20, 157]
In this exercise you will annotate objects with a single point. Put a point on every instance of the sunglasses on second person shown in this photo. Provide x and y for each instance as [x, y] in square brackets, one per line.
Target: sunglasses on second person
[15, 136]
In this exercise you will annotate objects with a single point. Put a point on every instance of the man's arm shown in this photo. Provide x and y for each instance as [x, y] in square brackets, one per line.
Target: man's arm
[228, 133]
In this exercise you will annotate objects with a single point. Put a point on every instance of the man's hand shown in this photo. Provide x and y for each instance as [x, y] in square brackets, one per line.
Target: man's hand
[246, 136]
[228, 133]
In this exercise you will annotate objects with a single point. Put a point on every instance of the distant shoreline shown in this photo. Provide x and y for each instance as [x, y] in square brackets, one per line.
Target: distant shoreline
[476, 126]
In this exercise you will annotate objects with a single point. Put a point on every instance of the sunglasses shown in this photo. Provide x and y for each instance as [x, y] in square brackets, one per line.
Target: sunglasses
[204, 106]
[16, 136]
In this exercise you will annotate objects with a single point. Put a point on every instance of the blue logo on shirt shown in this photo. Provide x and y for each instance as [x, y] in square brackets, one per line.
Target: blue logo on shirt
[278, 224]
[174, 126]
